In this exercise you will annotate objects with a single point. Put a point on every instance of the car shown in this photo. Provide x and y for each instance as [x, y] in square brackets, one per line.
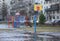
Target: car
[56, 22]
[48, 22]
[53, 22]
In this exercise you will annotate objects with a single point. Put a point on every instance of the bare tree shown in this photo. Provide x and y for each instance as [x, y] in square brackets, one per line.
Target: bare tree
[4, 10]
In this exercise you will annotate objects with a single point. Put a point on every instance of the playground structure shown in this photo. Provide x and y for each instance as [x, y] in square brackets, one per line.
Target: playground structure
[17, 21]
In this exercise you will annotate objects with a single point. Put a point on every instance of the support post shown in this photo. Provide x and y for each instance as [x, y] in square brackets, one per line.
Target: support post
[34, 27]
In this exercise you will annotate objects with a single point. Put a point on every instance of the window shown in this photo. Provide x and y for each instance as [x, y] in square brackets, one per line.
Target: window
[50, 1]
[49, 12]
[12, 2]
[57, 11]
[46, 7]
[41, 2]
[53, 12]
[57, 17]
[3, 0]
[18, 0]
[57, 0]
[44, 2]
[32, 18]
[30, 4]
[53, 17]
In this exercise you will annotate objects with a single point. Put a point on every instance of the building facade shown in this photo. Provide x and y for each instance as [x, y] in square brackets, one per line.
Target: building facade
[1, 1]
[52, 10]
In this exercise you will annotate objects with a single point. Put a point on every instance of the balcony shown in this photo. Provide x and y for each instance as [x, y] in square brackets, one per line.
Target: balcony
[47, 0]
[59, 6]
[53, 8]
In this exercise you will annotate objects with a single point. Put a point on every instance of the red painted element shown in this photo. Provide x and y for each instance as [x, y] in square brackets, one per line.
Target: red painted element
[12, 21]
[26, 18]
[8, 24]
[38, 8]
[9, 19]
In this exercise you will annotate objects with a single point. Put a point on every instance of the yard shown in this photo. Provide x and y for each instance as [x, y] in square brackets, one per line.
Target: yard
[42, 28]
[38, 29]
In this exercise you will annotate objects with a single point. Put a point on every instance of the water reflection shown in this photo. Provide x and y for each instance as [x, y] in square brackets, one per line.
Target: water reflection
[15, 36]
[28, 36]
[49, 36]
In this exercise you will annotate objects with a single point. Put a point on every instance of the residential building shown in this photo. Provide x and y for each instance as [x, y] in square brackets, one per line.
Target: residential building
[1, 1]
[52, 10]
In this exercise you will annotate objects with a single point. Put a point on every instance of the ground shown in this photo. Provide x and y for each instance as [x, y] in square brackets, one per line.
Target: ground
[20, 34]
[38, 29]
[44, 29]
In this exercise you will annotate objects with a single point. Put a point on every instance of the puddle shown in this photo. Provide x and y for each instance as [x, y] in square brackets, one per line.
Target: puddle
[15, 36]
[25, 36]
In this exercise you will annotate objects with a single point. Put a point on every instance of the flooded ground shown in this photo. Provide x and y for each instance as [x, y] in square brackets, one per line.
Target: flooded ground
[14, 35]
[24, 35]
[49, 36]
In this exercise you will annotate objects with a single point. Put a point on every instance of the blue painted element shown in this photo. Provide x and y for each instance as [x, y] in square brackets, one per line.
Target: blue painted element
[17, 21]
[35, 23]
[17, 18]
[35, 18]
[15, 24]
[22, 19]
